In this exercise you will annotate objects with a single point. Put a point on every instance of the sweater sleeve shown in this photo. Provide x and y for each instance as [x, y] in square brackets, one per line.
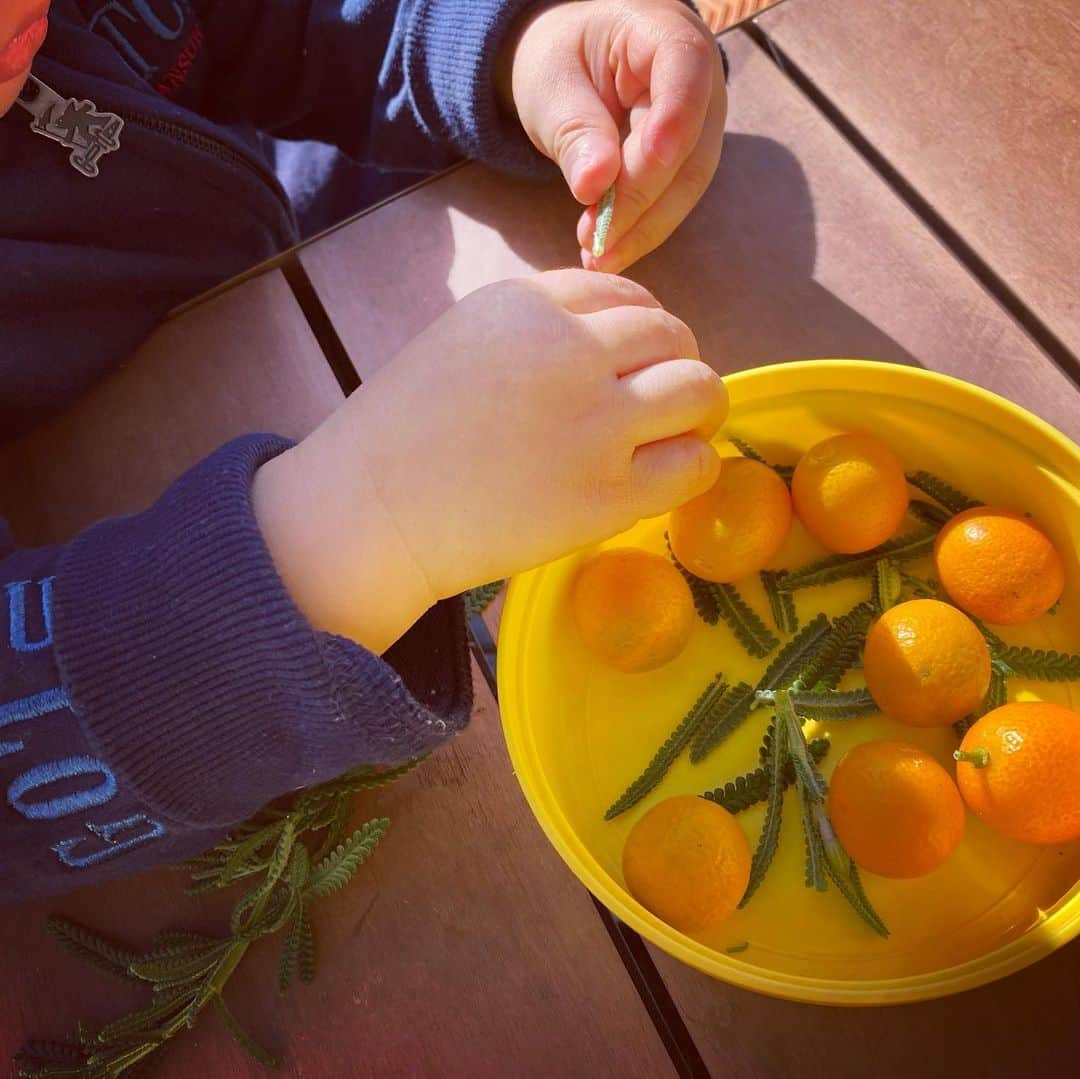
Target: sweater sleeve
[396, 83]
[159, 685]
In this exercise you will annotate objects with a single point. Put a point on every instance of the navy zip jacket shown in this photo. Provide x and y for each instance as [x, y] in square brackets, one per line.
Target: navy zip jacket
[157, 684]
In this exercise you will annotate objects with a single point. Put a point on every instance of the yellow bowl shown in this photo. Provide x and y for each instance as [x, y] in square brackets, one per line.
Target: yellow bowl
[578, 732]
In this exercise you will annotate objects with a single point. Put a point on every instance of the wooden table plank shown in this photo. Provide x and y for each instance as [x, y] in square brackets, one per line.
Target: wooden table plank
[459, 950]
[491, 960]
[977, 104]
[246, 362]
[1022, 1026]
[798, 250]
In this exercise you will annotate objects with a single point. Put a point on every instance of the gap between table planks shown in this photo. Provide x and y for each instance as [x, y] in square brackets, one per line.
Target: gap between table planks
[799, 249]
[976, 105]
[465, 947]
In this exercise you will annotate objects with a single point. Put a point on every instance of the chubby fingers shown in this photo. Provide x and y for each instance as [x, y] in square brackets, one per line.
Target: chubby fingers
[633, 337]
[672, 398]
[582, 293]
[666, 474]
[661, 388]
[641, 222]
[677, 66]
[665, 215]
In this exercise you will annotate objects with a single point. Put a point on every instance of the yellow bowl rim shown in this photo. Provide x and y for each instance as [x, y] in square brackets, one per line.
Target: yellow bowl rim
[1058, 929]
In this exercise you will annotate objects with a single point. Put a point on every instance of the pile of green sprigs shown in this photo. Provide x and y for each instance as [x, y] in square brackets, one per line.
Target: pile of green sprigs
[288, 858]
[802, 683]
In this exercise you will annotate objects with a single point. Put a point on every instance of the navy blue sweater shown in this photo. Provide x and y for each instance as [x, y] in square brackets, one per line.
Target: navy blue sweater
[157, 684]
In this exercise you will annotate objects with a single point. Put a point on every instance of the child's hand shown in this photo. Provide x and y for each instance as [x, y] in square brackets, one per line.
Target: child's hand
[578, 72]
[532, 418]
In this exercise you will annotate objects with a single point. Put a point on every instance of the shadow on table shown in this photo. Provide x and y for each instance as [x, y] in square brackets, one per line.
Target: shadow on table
[1025, 1024]
[739, 271]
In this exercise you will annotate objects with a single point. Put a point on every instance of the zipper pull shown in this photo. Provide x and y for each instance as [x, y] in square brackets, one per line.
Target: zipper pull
[78, 125]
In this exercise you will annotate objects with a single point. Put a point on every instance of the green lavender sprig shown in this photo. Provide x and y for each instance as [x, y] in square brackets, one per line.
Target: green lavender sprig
[669, 752]
[605, 210]
[842, 567]
[997, 693]
[722, 722]
[928, 513]
[938, 489]
[843, 872]
[188, 972]
[920, 587]
[840, 650]
[782, 604]
[714, 601]
[814, 848]
[825, 857]
[769, 839]
[887, 584]
[824, 854]
[748, 790]
[825, 705]
[750, 631]
[746, 449]
[477, 600]
[1043, 664]
[798, 655]
[785, 472]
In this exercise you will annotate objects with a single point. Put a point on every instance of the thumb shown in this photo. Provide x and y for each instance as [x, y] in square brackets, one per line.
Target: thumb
[583, 141]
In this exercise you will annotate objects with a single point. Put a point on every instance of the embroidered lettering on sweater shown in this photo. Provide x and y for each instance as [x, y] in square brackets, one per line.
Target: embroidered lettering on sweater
[53, 789]
[177, 75]
[100, 790]
[37, 704]
[159, 39]
[141, 828]
[17, 616]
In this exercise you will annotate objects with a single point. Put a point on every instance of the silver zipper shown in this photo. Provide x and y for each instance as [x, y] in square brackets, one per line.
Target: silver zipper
[78, 125]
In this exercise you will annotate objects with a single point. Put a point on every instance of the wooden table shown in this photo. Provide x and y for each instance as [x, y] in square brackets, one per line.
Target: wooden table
[971, 107]
[466, 947]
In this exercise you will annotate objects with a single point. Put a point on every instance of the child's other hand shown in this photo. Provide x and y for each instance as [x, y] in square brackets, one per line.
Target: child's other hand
[579, 72]
[532, 418]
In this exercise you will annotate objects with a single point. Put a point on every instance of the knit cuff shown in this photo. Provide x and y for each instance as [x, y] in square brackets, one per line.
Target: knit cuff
[200, 681]
[450, 56]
